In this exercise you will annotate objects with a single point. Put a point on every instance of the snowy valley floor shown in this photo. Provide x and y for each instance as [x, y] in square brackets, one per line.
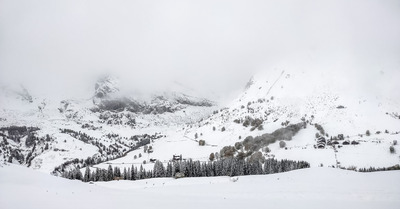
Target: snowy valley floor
[22, 188]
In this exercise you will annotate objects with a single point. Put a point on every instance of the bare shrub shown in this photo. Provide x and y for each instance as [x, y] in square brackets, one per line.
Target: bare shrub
[282, 144]
[212, 157]
[392, 150]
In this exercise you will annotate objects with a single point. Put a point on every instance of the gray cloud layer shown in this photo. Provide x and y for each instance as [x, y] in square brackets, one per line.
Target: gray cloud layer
[208, 45]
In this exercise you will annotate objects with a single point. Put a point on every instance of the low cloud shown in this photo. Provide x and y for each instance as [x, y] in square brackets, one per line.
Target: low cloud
[209, 46]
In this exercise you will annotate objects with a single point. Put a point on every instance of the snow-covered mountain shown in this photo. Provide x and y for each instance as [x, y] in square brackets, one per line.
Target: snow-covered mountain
[332, 105]
[326, 118]
[44, 133]
[329, 118]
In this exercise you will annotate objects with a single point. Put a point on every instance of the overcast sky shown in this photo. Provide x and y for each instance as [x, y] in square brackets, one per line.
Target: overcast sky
[208, 45]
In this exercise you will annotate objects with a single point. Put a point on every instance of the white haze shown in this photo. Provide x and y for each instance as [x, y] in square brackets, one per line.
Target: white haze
[210, 46]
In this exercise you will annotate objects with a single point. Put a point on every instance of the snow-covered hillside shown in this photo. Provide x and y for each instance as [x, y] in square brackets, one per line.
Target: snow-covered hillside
[329, 99]
[338, 121]
[308, 188]
[345, 125]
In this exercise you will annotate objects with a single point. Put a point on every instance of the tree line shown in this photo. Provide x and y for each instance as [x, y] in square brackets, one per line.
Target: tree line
[373, 169]
[222, 167]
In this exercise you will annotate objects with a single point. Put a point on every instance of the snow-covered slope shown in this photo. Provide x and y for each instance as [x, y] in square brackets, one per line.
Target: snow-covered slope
[341, 105]
[309, 188]
[335, 110]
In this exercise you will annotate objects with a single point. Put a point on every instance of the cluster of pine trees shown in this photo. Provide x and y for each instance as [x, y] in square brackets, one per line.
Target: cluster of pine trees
[223, 167]
[373, 169]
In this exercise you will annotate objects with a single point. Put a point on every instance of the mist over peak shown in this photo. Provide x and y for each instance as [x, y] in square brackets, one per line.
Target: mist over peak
[210, 46]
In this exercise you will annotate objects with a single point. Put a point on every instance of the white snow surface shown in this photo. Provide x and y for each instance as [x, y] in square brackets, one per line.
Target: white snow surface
[328, 188]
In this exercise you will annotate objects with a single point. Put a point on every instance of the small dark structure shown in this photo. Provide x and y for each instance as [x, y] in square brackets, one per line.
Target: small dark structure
[346, 143]
[340, 137]
[202, 142]
[153, 160]
[321, 143]
[354, 143]
[177, 157]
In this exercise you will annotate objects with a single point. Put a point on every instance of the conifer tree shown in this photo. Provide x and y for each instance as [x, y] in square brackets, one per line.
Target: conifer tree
[117, 172]
[98, 175]
[141, 172]
[125, 175]
[93, 176]
[86, 177]
[77, 174]
[129, 174]
[158, 170]
[168, 172]
[110, 174]
[133, 174]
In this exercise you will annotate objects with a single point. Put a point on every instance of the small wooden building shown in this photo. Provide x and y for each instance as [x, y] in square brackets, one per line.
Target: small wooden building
[177, 157]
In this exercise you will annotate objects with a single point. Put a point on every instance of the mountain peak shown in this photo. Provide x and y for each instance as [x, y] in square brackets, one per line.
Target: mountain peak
[106, 85]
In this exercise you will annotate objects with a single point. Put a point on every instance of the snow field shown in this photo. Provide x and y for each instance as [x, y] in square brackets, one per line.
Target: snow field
[307, 188]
